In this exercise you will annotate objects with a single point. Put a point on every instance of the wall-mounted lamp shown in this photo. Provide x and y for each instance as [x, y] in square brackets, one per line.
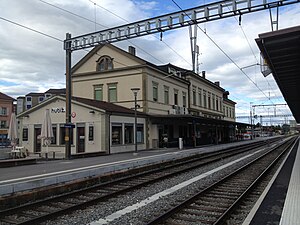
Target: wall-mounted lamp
[27, 116]
[92, 111]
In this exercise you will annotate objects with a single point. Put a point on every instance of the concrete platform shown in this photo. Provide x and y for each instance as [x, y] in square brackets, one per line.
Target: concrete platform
[44, 173]
[17, 162]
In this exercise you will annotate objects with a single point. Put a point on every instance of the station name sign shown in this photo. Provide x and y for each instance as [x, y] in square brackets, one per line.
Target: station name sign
[58, 110]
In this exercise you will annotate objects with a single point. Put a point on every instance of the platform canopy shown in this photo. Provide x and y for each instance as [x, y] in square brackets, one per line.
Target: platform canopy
[281, 51]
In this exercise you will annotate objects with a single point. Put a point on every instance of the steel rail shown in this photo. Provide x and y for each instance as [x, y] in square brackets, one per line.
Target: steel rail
[165, 216]
[221, 219]
[203, 160]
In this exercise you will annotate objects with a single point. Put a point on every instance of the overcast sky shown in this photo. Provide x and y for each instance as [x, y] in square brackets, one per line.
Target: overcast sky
[32, 62]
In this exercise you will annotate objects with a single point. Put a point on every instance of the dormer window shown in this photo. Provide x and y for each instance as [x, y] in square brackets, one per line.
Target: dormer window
[105, 63]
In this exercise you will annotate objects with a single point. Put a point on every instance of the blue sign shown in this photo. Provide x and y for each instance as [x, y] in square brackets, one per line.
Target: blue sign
[69, 125]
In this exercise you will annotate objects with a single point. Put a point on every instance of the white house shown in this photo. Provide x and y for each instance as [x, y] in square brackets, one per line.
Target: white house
[100, 127]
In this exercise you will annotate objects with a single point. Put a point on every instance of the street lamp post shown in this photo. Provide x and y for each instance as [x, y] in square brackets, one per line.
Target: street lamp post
[135, 91]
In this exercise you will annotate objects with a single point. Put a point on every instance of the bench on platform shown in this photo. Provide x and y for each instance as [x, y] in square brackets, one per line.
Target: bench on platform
[18, 152]
[48, 154]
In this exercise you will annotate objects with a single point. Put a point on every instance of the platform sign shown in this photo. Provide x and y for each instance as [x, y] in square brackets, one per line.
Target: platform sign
[69, 125]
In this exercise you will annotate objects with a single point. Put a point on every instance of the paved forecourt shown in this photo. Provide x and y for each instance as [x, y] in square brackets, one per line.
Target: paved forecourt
[44, 173]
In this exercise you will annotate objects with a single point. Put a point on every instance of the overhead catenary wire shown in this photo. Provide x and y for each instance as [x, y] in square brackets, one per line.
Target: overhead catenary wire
[152, 34]
[268, 97]
[254, 55]
[34, 30]
[205, 33]
[96, 23]
[47, 35]
[31, 29]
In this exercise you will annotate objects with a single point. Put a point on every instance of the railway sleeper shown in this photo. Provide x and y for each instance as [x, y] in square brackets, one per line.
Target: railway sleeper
[187, 218]
[85, 197]
[202, 212]
[46, 209]
[215, 200]
[34, 213]
[209, 203]
[15, 219]
[227, 188]
[28, 215]
[221, 196]
[102, 191]
[229, 193]
[178, 222]
[9, 221]
[207, 208]
[112, 189]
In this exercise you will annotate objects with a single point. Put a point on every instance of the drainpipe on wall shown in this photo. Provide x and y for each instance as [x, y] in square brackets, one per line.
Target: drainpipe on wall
[109, 133]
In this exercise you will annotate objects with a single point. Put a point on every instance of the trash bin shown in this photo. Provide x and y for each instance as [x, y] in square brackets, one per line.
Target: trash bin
[155, 143]
[180, 143]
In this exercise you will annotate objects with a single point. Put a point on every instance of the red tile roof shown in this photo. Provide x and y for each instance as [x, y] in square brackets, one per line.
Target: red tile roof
[6, 97]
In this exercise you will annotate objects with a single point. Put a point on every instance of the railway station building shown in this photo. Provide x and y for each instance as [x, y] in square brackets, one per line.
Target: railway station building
[179, 102]
[174, 105]
[93, 120]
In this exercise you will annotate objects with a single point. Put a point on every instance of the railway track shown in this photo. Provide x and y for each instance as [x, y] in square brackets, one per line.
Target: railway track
[214, 204]
[37, 212]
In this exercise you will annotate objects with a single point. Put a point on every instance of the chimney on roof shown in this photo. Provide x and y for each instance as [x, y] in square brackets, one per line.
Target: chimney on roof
[203, 74]
[217, 83]
[131, 50]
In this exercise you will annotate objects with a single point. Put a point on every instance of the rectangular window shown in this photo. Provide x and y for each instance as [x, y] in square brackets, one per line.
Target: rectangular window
[200, 97]
[140, 133]
[53, 140]
[204, 99]
[91, 133]
[3, 111]
[209, 100]
[213, 101]
[166, 95]
[194, 96]
[25, 134]
[116, 133]
[63, 134]
[41, 98]
[129, 136]
[217, 103]
[112, 92]
[98, 92]
[28, 106]
[155, 91]
[183, 99]
[3, 124]
[28, 98]
[175, 97]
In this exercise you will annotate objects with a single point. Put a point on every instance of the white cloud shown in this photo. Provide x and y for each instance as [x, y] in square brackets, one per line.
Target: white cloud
[31, 62]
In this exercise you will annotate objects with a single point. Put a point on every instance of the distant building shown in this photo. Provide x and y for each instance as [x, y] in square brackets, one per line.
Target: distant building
[6, 108]
[32, 99]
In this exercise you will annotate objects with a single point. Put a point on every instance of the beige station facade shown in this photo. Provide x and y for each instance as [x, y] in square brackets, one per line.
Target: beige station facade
[93, 122]
[172, 102]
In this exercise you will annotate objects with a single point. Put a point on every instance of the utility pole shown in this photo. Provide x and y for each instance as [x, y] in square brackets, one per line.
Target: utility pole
[68, 98]
[193, 39]
[251, 120]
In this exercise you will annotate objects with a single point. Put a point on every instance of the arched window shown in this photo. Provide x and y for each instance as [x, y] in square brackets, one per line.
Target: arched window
[105, 63]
